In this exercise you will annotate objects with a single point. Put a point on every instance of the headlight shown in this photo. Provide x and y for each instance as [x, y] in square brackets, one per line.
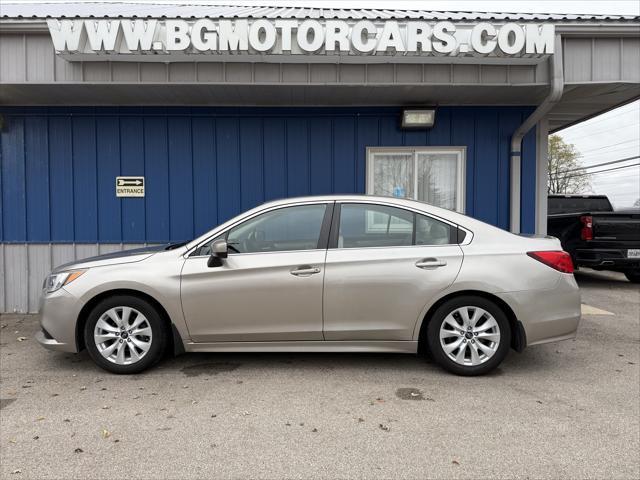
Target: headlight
[55, 281]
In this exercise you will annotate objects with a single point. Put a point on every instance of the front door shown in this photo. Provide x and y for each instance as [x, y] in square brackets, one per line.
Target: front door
[270, 286]
[385, 266]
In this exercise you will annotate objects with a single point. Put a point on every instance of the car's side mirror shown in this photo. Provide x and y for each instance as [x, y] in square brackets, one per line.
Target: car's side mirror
[219, 250]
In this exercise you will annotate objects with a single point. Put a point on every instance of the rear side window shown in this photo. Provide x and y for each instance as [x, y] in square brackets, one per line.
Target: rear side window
[430, 231]
[364, 225]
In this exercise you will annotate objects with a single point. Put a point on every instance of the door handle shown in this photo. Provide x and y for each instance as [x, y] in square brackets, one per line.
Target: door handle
[305, 271]
[428, 263]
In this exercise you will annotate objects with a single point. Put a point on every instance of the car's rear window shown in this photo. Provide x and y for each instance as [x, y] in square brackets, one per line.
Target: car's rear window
[578, 205]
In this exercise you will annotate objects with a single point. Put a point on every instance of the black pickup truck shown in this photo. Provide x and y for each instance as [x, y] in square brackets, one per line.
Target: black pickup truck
[595, 235]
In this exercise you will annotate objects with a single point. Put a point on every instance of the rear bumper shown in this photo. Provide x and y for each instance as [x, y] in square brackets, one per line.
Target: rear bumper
[606, 258]
[547, 315]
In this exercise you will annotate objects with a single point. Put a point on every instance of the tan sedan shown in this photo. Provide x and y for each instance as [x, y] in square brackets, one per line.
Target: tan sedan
[323, 274]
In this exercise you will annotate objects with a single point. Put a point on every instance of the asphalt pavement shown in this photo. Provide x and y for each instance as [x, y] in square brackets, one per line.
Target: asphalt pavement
[565, 410]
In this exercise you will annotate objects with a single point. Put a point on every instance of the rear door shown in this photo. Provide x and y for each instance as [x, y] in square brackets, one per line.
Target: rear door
[383, 265]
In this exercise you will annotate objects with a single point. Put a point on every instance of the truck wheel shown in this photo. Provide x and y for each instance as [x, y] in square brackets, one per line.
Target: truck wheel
[633, 276]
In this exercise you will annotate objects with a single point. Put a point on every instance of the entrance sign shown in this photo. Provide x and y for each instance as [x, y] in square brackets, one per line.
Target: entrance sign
[117, 39]
[129, 186]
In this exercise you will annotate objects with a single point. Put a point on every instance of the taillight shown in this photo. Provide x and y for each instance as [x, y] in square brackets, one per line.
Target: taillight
[587, 227]
[557, 259]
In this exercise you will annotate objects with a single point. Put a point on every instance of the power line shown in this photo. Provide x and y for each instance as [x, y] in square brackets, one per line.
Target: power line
[612, 145]
[598, 165]
[617, 151]
[601, 171]
[593, 120]
[590, 134]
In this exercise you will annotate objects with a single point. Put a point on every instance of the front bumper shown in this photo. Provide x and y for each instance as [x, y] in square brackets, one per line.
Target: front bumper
[51, 343]
[548, 315]
[58, 316]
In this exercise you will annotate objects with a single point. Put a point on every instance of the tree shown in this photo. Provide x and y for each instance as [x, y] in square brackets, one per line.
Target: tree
[566, 173]
[637, 203]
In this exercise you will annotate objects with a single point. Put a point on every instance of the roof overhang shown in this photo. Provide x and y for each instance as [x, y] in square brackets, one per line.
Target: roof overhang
[601, 63]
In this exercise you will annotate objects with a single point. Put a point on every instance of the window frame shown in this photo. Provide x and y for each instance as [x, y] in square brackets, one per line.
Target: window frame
[334, 232]
[460, 151]
[323, 240]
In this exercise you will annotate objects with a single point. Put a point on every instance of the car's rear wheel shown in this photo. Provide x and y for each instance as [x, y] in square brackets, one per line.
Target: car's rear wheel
[469, 335]
[125, 334]
[633, 276]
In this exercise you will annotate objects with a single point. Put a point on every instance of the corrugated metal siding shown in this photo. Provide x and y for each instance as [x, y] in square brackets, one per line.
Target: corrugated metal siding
[151, 9]
[24, 266]
[30, 58]
[601, 60]
[205, 165]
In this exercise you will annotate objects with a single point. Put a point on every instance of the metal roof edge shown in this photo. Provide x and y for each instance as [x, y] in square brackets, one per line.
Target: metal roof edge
[148, 9]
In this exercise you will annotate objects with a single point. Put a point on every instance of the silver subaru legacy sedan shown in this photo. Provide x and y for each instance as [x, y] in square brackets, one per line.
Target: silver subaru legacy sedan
[320, 274]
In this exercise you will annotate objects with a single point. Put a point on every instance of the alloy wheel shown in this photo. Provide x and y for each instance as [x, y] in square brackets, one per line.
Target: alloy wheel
[469, 336]
[123, 335]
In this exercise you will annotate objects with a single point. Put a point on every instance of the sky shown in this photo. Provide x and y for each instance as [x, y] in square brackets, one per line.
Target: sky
[609, 137]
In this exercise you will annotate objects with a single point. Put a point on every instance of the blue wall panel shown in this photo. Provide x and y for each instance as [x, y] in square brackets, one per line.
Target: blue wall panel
[464, 134]
[36, 151]
[527, 186]
[204, 165]
[85, 202]
[251, 163]
[228, 179]
[486, 168]
[298, 178]
[156, 169]
[320, 156]
[61, 199]
[132, 164]
[343, 154]
[108, 168]
[275, 158]
[14, 182]
[204, 178]
[180, 178]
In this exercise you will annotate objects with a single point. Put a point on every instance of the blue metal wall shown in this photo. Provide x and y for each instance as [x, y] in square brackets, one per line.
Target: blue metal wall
[205, 165]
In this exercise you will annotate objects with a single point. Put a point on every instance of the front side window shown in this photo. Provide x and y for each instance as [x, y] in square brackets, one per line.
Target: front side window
[289, 228]
[434, 175]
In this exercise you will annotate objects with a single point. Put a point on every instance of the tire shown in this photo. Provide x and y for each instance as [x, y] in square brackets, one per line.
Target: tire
[633, 276]
[490, 338]
[139, 351]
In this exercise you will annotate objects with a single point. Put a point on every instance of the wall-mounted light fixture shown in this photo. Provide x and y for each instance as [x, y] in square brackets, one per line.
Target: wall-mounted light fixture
[418, 118]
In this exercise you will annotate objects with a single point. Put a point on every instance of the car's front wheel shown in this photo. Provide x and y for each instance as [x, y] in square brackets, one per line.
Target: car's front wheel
[469, 335]
[125, 334]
